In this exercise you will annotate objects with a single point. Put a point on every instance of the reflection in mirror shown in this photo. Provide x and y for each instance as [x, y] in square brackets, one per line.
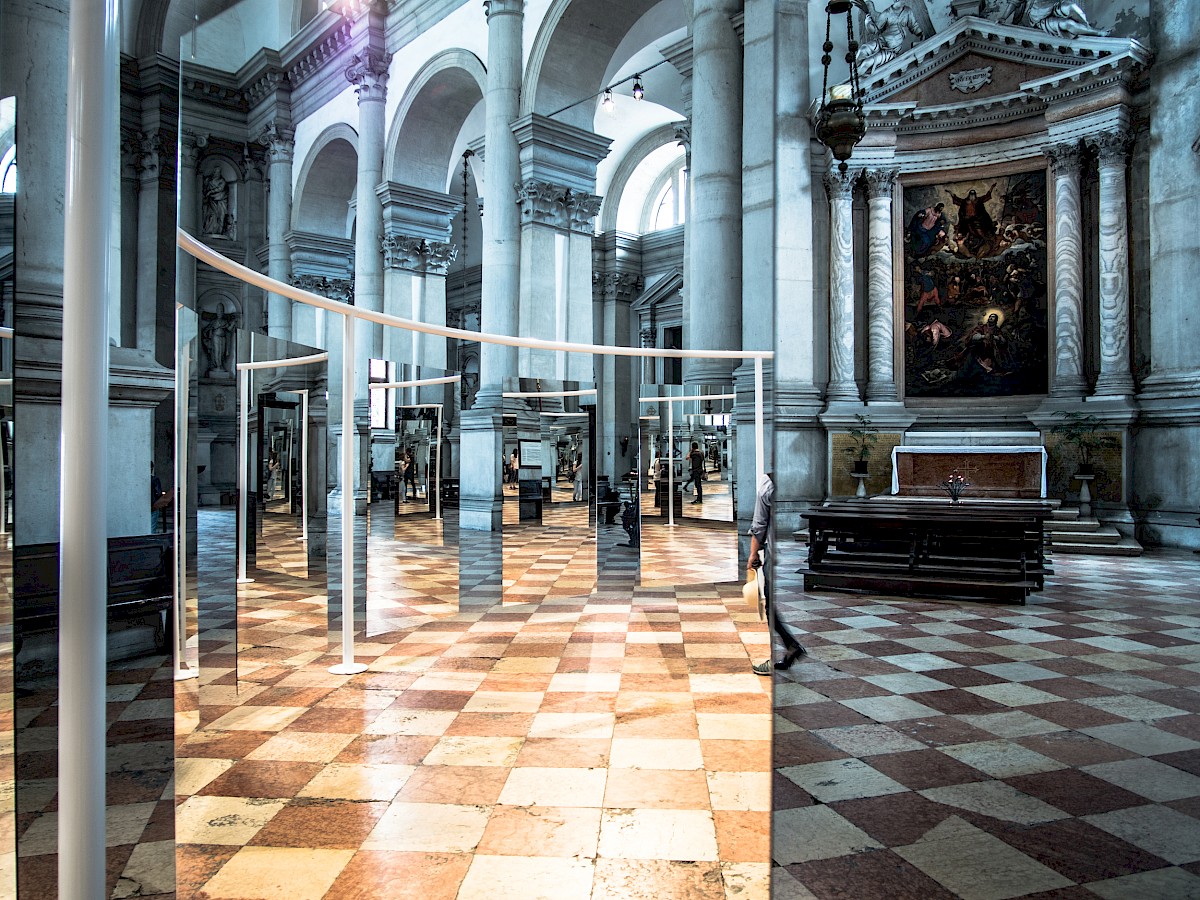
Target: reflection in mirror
[8, 833]
[618, 462]
[689, 486]
[412, 541]
[549, 492]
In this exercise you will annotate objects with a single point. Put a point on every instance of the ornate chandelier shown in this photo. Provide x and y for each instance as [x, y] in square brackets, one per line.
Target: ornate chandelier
[840, 120]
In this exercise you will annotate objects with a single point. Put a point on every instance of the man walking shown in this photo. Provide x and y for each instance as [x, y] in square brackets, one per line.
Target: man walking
[760, 540]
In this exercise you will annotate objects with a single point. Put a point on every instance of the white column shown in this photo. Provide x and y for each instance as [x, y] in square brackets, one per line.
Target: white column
[281, 146]
[1069, 380]
[1115, 379]
[582, 213]
[715, 214]
[92, 124]
[881, 370]
[369, 73]
[501, 220]
[842, 386]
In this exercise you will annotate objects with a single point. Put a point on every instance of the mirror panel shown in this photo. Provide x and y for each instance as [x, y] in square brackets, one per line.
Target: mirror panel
[8, 820]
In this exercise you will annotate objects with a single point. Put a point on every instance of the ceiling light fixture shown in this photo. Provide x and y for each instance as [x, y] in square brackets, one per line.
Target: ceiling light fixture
[608, 105]
[638, 91]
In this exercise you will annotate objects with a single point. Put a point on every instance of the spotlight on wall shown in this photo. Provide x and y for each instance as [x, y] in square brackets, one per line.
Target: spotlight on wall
[638, 91]
[607, 103]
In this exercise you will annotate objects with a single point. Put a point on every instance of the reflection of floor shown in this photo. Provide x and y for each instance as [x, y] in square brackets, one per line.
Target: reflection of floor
[716, 505]
[688, 555]
[946, 749]
[612, 745]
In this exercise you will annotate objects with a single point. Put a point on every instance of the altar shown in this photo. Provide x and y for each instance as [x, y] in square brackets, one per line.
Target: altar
[1012, 472]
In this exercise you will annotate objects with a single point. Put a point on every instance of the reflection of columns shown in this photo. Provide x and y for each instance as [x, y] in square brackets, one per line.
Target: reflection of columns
[842, 386]
[715, 216]
[501, 223]
[151, 153]
[881, 374]
[617, 375]
[1069, 380]
[1113, 150]
[281, 144]
[190, 145]
[369, 73]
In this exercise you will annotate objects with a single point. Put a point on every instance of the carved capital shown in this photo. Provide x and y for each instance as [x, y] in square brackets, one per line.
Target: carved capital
[880, 182]
[341, 289]
[191, 145]
[582, 210]
[280, 142]
[683, 134]
[1065, 159]
[438, 257]
[839, 186]
[1112, 147]
[649, 339]
[617, 285]
[145, 153]
[368, 72]
[403, 253]
[503, 7]
[541, 202]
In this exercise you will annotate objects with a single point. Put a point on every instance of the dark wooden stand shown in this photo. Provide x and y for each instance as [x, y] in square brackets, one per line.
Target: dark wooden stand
[968, 550]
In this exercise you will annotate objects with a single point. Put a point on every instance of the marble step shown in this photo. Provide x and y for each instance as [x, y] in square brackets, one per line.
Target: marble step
[1122, 546]
[1074, 526]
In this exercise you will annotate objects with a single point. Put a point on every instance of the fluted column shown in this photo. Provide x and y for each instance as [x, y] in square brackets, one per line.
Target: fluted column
[1115, 379]
[501, 222]
[715, 216]
[842, 386]
[881, 370]
[1069, 379]
[281, 145]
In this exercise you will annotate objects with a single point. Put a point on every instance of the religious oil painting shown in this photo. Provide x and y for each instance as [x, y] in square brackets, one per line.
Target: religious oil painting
[975, 287]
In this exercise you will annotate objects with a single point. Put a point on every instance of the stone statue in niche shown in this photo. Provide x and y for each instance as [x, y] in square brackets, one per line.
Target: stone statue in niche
[217, 338]
[1061, 19]
[218, 219]
[885, 33]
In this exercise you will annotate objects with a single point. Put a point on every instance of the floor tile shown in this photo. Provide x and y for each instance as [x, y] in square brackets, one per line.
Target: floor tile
[1156, 829]
[272, 873]
[658, 834]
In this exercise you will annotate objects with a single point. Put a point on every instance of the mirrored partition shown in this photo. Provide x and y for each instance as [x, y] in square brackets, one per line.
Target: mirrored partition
[8, 823]
[549, 490]
[259, 459]
[412, 511]
[688, 505]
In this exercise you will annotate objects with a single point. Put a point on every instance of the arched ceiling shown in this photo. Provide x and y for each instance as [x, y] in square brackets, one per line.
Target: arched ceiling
[327, 184]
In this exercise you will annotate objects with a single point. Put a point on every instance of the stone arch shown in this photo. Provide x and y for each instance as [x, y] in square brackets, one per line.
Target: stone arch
[430, 118]
[574, 51]
[647, 144]
[160, 26]
[327, 183]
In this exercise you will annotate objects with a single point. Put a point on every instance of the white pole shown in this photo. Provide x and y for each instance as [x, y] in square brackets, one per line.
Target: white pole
[92, 140]
[304, 465]
[437, 476]
[179, 619]
[243, 469]
[760, 467]
[671, 465]
[347, 666]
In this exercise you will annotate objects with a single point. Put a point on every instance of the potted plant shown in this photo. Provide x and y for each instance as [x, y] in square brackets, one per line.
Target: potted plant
[1082, 431]
[864, 437]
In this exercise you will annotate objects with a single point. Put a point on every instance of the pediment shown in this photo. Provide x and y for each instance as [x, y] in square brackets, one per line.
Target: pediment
[977, 62]
[666, 288]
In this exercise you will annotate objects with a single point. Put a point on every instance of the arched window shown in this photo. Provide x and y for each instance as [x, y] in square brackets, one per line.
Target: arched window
[8, 172]
[671, 209]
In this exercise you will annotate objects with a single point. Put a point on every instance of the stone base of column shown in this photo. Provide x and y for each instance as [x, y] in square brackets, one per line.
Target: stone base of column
[1113, 390]
[882, 394]
[709, 371]
[1074, 388]
[884, 404]
[842, 395]
[481, 503]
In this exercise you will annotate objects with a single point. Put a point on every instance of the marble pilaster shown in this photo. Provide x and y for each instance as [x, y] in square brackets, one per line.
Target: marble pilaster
[1112, 149]
[715, 214]
[1069, 379]
[881, 370]
[281, 145]
[191, 145]
[152, 150]
[842, 386]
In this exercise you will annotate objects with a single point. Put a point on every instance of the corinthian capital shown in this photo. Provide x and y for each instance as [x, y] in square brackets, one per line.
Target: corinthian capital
[1065, 158]
[582, 210]
[438, 256]
[880, 182]
[1112, 147]
[368, 72]
[280, 142]
[502, 7]
[839, 186]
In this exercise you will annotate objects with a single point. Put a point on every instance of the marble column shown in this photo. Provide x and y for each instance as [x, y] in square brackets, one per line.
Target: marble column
[281, 144]
[501, 223]
[1115, 378]
[842, 386]
[881, 370]
[715, 216]
[368, 72]
[1069, 379]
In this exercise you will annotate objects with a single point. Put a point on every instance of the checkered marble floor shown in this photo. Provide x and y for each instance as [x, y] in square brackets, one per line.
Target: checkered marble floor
[932, 750]
[610, 743]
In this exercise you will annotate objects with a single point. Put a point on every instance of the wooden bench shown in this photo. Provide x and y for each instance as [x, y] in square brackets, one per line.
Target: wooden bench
[972, 550]
[139, 586]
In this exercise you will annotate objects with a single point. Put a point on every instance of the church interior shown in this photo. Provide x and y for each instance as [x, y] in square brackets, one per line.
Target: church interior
[669, 334]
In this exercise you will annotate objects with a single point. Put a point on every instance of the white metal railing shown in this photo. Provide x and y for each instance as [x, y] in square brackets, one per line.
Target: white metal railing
[349, 313]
